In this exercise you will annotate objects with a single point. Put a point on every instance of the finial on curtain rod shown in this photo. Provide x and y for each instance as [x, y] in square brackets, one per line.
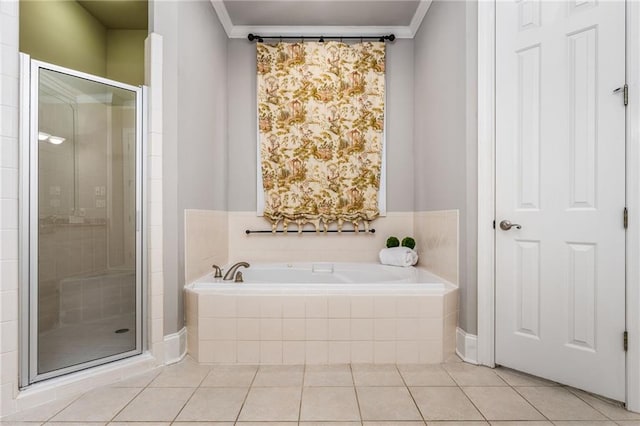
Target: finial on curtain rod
[321, 39]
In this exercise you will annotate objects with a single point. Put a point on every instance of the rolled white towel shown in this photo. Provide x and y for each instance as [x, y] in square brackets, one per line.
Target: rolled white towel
[398, 256]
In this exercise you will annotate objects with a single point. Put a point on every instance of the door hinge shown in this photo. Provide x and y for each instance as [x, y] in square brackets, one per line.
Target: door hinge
[625, 93]
[625, 218]
[625, 341]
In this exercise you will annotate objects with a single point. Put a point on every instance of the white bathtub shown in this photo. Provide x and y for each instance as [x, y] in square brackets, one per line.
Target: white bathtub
[322, 313]
[326, 278]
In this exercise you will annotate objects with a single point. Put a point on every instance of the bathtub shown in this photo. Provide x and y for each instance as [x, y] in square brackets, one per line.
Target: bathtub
[322, 313]
[326, 278]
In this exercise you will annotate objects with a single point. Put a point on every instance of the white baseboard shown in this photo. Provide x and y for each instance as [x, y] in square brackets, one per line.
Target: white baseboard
[467, 346]
[175, 346]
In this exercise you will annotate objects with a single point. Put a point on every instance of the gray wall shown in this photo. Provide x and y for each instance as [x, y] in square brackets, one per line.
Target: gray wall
[445, 117]
[194, 127]
[243, 129]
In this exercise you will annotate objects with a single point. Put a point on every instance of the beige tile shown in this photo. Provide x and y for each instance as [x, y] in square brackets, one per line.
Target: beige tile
[501, 403]
[75, 424]
[230, 376]
[522, 423]
[444, 403]
[559, 404]
[517, 378]
[273, 404]
[181, 375]
[279, 375]
[386, 403]
[376, 375]
[629, 422]
[586, 423]
[316, 352]
[473, 423]
[326, 423]
[271, 352]
[393, 423]
[361, 352]
[98, 405]
[138, 381]
[425, 375]
[197, 424]
[19, 423]
[156, 405]
[209, 404]
[248, 352]
[329, 404]
[293, 352]
[41, 413]
[328, 375]
[473, 375]
[339, 352]
[141, 423]
[263, 423]
[612, 410]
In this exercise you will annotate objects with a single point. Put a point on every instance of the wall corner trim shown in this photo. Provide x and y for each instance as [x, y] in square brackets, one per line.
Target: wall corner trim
[467, 346]
[175, 346]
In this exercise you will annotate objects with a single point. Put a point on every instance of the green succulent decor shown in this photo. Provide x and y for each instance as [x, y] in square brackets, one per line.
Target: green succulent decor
[407, 242]
[393, 242]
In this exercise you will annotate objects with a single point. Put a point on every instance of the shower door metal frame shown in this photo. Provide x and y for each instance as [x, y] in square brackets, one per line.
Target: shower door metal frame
[30, 73]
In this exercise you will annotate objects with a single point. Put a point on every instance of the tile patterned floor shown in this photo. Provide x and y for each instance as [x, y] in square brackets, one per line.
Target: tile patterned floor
[450, 394]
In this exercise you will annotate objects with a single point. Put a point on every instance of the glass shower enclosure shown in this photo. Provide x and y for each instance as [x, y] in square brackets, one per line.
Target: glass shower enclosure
[84, 298]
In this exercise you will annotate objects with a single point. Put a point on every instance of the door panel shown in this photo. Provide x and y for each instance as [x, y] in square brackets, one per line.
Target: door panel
[560, 174]
[85, 304]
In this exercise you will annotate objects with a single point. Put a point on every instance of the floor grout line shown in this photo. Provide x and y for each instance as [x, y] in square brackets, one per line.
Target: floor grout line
[244, 401]
[304, 373]
[355, 390]
[404, 382]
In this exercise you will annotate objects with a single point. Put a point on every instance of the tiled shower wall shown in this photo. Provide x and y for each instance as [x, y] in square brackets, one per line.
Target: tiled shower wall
[9, 77]
[66, 250]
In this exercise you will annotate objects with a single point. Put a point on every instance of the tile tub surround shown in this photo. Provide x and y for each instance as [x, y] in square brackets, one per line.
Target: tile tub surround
[318, 247]
[320, 328]
[206, 241]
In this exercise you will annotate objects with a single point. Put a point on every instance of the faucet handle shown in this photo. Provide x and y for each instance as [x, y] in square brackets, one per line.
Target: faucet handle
[218, 271]
[238, 278]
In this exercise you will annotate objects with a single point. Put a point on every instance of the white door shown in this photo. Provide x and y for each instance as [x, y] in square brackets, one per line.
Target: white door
[560, 174]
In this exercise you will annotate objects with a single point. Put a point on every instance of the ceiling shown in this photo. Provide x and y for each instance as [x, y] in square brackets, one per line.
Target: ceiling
[321, 17]
[304, 13]
[119, 14]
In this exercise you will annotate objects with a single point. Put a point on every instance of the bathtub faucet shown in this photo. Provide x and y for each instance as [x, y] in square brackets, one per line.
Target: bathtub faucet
[218, 271]
[230, 275]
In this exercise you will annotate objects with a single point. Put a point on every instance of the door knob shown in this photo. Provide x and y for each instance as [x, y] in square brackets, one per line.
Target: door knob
[505, 225]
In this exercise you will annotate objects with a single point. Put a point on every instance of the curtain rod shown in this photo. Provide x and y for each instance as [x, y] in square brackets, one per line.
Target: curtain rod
[260, 39]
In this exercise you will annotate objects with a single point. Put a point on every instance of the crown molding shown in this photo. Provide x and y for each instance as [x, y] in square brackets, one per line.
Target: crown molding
[223, 16]
[418, 17]
[241, 31]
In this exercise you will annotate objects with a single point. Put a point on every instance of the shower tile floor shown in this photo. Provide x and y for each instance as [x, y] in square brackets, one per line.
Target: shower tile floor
[449, 394]
[72, 344]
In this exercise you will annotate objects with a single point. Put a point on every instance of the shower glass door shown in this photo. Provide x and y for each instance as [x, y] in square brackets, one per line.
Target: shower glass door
[85, 245]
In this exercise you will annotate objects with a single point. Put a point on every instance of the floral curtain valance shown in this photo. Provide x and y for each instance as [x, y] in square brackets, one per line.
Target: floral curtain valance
[321, 121]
